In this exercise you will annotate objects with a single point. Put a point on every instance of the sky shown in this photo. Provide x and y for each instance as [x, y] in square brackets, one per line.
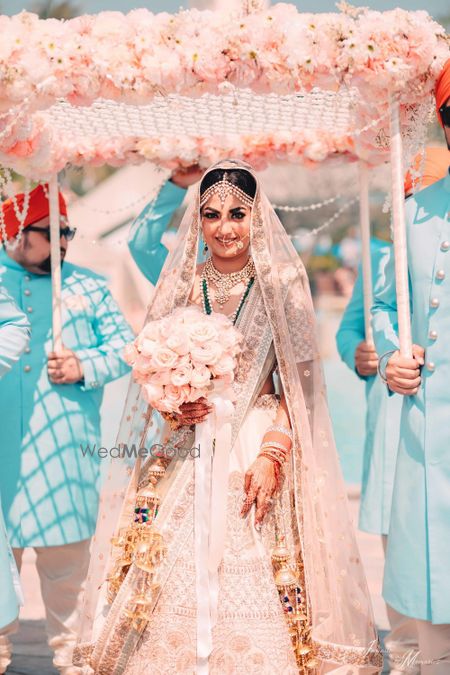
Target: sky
[435, 7]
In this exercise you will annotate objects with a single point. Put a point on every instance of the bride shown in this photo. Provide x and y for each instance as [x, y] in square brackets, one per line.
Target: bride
[278, 587]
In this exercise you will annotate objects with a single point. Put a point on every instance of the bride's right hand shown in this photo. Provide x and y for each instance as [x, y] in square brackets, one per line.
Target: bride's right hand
[194, 413]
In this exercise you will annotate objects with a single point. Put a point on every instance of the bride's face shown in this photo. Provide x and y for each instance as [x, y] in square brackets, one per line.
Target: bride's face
[226, 227]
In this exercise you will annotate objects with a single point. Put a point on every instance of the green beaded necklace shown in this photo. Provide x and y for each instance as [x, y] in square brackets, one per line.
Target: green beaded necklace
[207, 303]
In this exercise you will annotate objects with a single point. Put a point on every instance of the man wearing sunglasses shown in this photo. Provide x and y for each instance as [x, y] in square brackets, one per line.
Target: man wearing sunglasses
[50, 409]
[417, 580]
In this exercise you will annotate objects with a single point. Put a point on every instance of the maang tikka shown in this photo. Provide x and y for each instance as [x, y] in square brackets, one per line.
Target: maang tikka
[223, 188]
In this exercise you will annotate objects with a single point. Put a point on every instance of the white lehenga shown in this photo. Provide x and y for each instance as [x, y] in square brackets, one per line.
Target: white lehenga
[251, 634]
[139, 613]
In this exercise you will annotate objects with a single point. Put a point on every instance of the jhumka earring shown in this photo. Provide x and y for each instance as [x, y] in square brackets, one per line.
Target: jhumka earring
[205, 248]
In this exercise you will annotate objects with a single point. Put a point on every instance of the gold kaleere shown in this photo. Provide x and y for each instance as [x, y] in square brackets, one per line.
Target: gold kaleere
[289, 580]
[139, 544]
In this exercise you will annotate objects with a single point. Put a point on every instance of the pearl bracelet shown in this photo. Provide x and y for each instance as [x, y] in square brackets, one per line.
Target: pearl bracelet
[281, 430]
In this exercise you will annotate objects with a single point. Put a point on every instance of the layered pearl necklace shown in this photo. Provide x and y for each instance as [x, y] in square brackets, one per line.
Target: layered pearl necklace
[225, 282]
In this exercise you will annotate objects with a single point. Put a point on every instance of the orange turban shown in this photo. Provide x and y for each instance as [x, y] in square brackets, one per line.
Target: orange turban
[435, 166]
[38, 208]
[443, 88]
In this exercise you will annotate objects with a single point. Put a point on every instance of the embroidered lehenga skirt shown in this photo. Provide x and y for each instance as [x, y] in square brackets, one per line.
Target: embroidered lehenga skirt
[251, 633]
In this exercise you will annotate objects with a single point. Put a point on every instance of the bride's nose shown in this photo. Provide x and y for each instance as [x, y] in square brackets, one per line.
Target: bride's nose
[225, 226]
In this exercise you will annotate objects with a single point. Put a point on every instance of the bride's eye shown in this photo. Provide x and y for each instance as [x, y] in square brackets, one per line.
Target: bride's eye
[238, 215]
[210, 215]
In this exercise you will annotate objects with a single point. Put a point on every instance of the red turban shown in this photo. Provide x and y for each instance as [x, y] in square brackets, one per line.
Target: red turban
[435, 167]
[38, 208]
[443, 89]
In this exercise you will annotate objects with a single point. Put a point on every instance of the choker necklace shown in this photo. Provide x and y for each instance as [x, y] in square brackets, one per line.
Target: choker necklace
[225, 282]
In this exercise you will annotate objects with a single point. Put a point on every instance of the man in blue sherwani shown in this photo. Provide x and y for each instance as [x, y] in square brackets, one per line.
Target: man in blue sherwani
[417, 579]
[50, 411]
[14, 337]
[144, 241]
[381, 440]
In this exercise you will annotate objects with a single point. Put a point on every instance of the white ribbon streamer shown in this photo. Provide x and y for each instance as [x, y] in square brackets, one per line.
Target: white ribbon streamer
[213, 438]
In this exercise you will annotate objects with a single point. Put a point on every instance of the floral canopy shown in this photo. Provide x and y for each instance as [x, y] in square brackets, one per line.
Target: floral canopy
[265, 86]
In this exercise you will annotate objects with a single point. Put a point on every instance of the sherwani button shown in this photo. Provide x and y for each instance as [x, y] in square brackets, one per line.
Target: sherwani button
[440, 275]
[432, 335]
[27, 350]
[27, 291]
[27, 278]
[431, 366]
[29, 310]
[434, 303]
[27, 369]
[445, 245]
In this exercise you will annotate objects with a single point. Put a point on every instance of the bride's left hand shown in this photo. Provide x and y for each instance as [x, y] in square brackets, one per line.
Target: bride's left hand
[260, 484]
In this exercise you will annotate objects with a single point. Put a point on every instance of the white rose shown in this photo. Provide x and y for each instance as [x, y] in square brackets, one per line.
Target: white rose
[164, 358]
[200, 377]
[202, 331]
[208, 353]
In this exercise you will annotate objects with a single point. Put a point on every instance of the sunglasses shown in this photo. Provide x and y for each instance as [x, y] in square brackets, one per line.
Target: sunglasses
[66, 232]
[445, 115]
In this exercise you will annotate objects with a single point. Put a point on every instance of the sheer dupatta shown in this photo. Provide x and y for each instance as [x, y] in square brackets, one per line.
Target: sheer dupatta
[339, 609]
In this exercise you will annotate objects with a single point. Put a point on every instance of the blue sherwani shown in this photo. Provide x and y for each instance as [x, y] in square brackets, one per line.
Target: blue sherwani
[145, 235]
[383, 412]
[417, 580]
[49, 488]
[14, 337]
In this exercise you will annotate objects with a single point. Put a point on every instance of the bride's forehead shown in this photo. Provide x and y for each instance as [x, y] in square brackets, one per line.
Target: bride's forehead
[219, 204]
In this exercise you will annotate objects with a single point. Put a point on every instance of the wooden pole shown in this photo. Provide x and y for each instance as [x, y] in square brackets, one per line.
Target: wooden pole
[399, 231]
[364, 217]
[55, 253]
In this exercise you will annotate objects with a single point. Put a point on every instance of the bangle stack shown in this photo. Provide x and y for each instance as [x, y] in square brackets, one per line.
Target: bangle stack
[277, 453]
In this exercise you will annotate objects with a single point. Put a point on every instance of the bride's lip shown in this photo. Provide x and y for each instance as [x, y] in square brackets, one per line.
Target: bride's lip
[225, 241]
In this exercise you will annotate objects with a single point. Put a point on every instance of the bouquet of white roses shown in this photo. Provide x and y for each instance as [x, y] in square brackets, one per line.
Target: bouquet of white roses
[176, 359]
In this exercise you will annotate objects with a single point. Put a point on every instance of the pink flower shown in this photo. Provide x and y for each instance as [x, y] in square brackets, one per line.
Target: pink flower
[146, 346]
[175, 396]
[202, 332]
[195, 394]
[224, 367]
[207, 353]
[130, 353]
[178, 342]
[142, 369]
[200, 377]
[164, 358]
[161, 377]
[153, 394]
[182, 375]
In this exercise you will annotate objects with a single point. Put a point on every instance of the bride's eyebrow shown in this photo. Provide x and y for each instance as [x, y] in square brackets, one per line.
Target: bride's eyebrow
[209, 208]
